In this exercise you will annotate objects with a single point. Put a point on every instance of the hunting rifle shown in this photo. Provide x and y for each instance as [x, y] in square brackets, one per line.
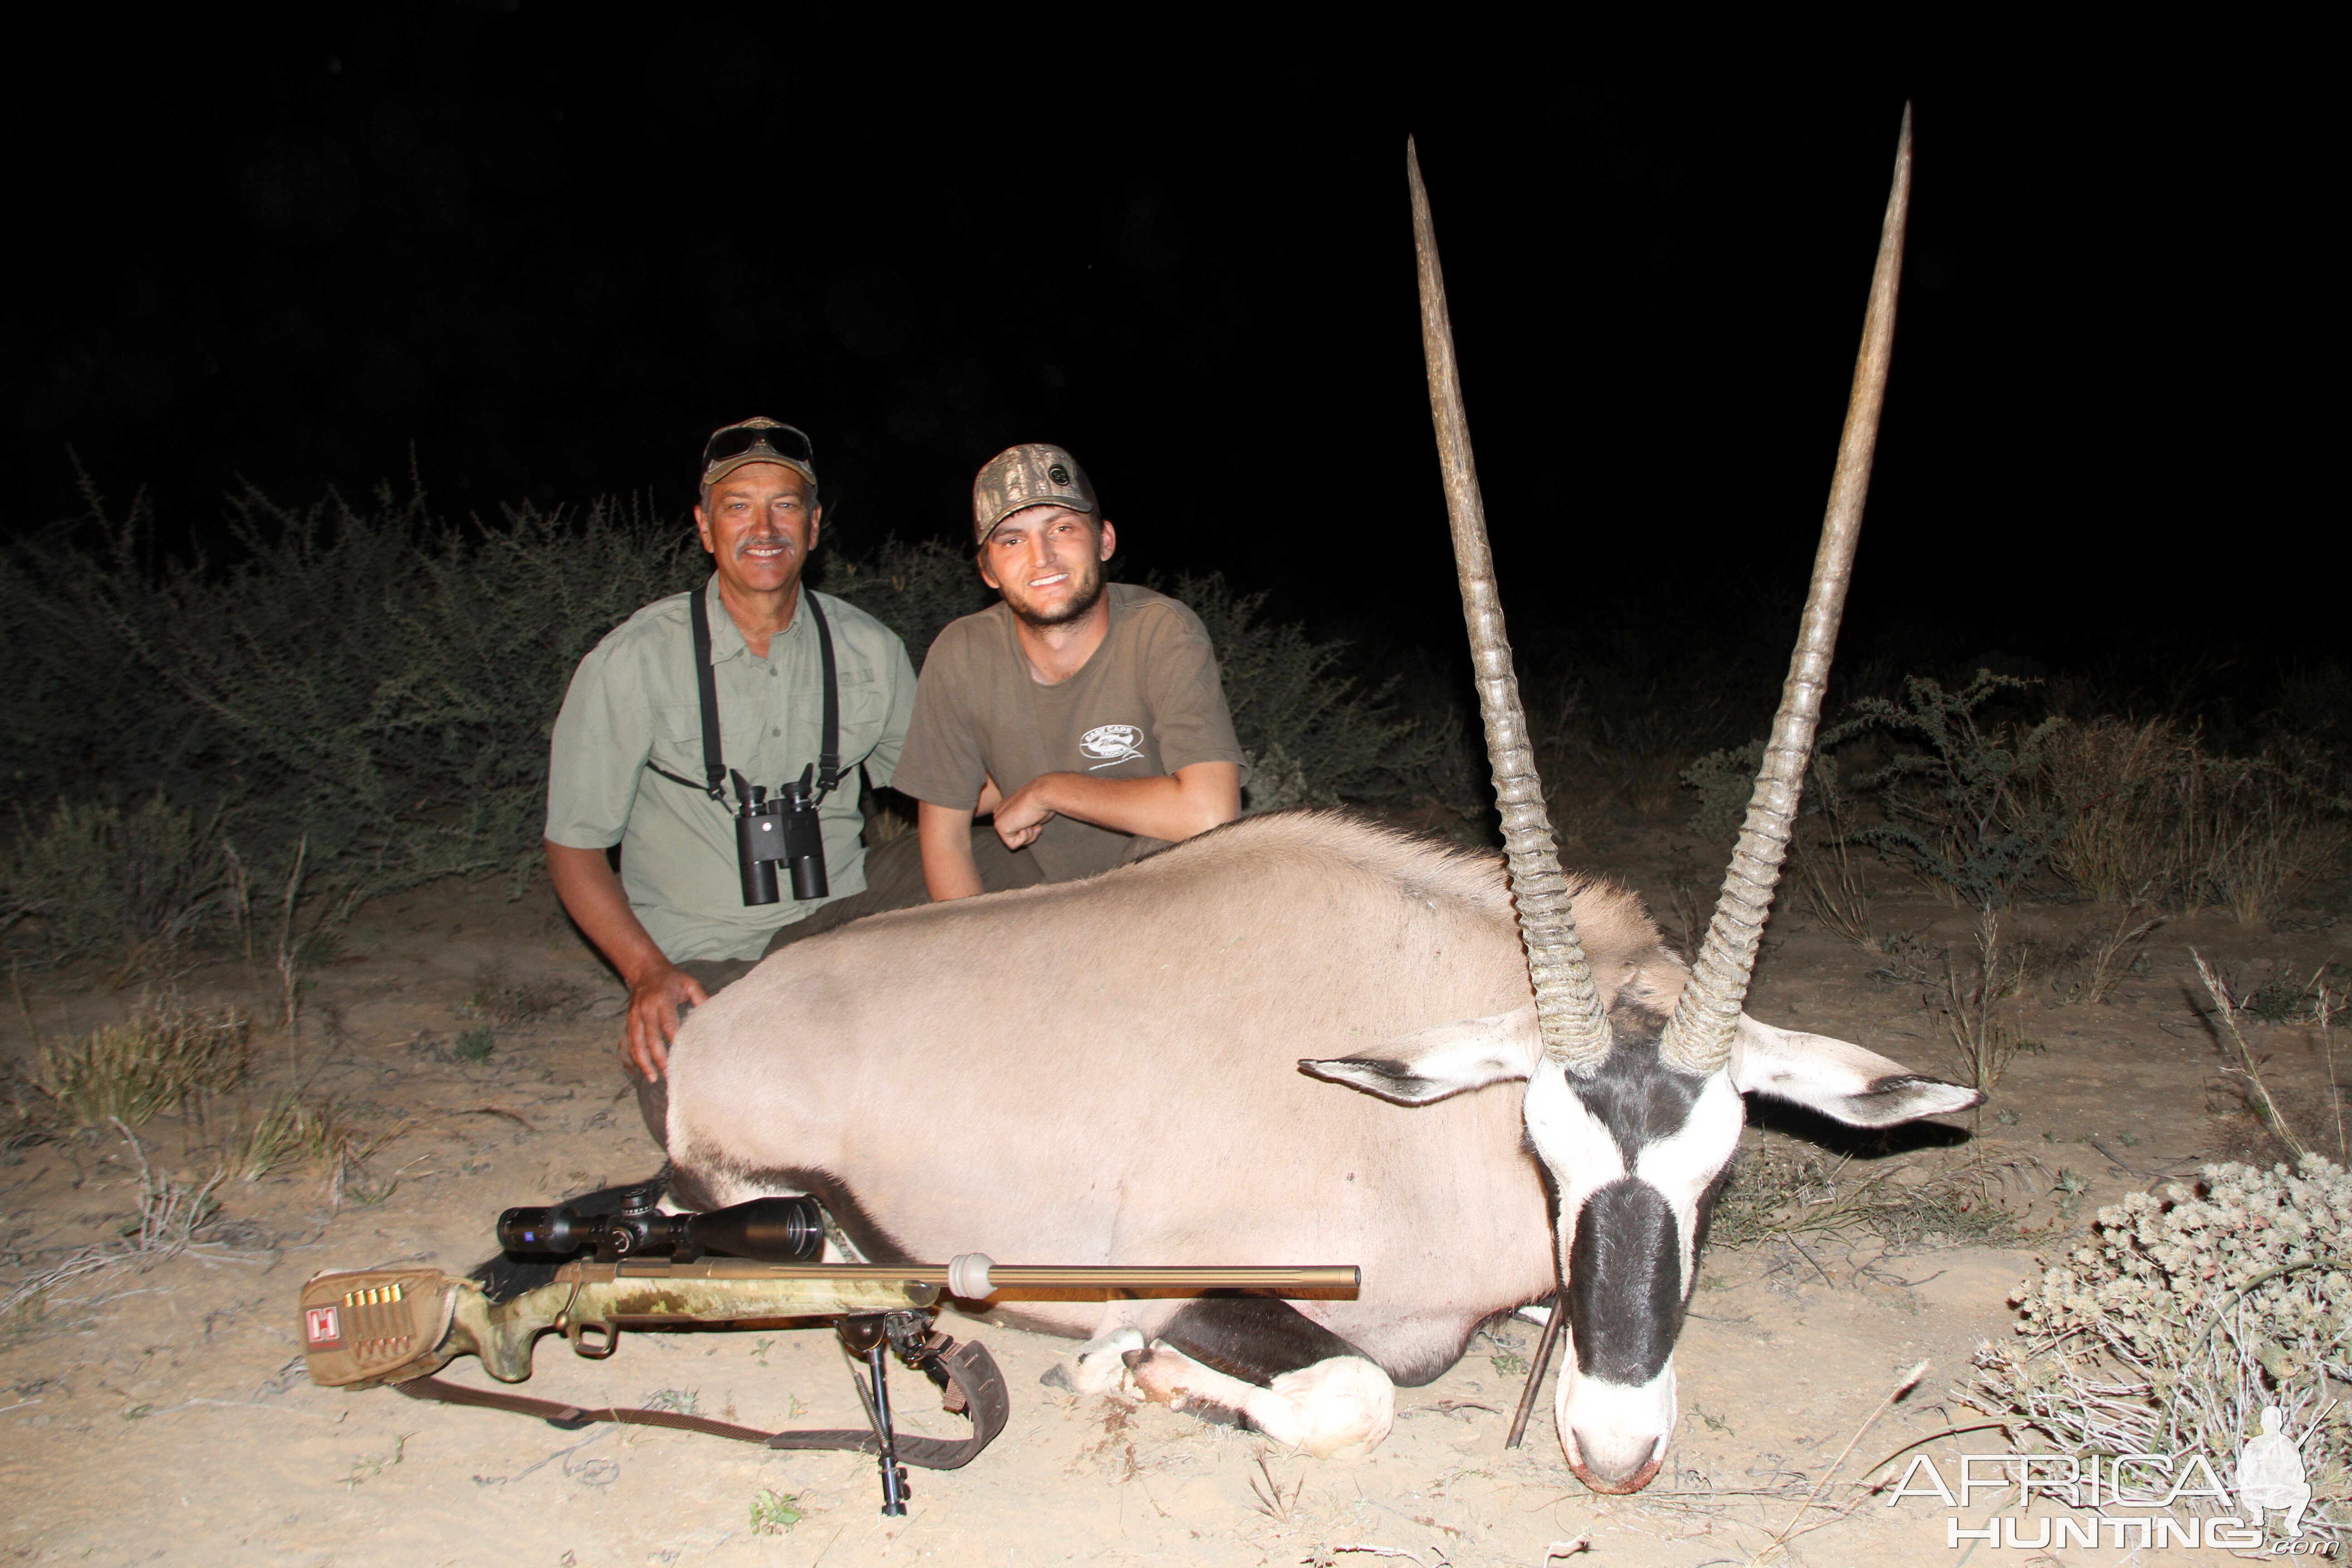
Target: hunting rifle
[368, 1328]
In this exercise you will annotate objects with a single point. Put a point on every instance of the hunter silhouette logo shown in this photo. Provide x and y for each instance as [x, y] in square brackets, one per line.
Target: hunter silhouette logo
[1115, 744]
[2271, 1476]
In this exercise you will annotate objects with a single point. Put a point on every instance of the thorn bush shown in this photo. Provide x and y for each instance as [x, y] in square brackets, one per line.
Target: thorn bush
[1960, 811]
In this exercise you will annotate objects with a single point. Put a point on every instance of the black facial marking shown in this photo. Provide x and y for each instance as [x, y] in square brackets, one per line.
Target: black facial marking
[1252, 1338]
[1633, 1094]
[1625, 1299]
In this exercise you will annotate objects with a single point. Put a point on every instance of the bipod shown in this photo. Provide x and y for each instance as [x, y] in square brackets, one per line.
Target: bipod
[874, 1338]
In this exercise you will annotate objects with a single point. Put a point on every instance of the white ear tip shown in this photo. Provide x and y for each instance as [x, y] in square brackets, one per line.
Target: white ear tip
[967, 1276]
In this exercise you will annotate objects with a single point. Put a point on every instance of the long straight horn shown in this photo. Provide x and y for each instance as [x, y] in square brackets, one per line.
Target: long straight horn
[1697, 1038]
[1568, 1005]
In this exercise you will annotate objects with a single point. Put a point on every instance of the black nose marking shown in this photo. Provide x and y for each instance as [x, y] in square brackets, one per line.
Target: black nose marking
[1625, 1283]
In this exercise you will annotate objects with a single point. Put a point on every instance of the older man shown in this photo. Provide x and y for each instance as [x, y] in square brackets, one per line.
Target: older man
[697, 698]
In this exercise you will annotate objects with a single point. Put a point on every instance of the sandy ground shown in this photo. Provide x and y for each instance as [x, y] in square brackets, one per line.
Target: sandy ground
[157, 1410]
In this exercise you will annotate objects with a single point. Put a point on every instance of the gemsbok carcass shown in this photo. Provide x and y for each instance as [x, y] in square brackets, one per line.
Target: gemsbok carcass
[1289, 1039]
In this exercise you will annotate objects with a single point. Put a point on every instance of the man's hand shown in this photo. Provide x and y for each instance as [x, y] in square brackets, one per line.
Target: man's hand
[1022, 814]
[654, 999]
[591, 892]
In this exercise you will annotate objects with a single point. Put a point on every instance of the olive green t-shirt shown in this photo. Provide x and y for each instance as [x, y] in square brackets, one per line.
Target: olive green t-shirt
[1147, 703]
[635, 700]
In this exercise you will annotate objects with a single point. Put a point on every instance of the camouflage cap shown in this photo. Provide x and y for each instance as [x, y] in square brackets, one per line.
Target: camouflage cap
[1033, 473]
[758, 439]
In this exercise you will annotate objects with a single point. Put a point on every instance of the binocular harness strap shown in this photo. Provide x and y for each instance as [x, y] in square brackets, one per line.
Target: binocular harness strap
[971, 1372]
[714, 769]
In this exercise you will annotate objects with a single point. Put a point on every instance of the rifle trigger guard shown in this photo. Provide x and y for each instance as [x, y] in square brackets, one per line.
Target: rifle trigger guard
[592, 1342]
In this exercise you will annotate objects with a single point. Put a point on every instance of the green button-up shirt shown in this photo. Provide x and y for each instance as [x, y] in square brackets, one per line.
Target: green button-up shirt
[635, 700]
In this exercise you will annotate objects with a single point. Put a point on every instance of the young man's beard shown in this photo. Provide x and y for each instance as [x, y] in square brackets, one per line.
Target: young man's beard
[1076, 607]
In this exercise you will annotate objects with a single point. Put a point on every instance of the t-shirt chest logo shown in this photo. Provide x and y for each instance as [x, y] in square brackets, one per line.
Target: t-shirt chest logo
[1115, 744]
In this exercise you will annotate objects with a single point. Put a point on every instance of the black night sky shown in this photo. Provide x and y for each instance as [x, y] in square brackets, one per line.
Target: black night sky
[547, 249]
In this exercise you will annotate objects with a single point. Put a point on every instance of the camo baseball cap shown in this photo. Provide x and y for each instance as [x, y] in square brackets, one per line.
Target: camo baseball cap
[758, 439]
[1033, 473]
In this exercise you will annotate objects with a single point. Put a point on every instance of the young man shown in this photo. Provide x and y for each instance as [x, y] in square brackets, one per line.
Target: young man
[627, 765]
[1085, 716]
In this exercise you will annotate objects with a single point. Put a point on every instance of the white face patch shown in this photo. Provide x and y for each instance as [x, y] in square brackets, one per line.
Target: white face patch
[1611, 1432]
[1582, 1156]
[1684, 1166]
[1573, 1142]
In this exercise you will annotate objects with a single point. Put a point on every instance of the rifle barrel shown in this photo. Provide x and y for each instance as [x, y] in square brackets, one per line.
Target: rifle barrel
[1318, 1279]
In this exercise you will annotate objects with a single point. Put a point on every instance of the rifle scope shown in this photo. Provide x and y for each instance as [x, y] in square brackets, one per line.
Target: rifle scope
[768, 1230]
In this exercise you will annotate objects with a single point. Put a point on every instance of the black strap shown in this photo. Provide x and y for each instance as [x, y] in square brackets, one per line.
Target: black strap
[975, 1386]
[828, 751]
[706, 680]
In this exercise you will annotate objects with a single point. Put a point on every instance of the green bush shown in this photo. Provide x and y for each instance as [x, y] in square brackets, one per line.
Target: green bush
[914, 589]
[1961, 809]
[370, 677]
[93, 877]
[380, 684]
[1313, 735]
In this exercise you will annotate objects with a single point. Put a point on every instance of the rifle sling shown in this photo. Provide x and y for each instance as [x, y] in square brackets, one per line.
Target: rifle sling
[971, 1372]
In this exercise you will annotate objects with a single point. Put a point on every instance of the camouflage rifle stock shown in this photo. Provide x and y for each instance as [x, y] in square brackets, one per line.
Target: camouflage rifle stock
[373, 1327]
[364, 1329]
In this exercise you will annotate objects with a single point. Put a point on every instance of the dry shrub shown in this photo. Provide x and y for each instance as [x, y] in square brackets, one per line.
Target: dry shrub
[2152, 816]
[2115, 780]
[2100, 953]
[168, 1054]
[1973, 1000]
[2171, 1326]
[171, 1209]
[93, 877]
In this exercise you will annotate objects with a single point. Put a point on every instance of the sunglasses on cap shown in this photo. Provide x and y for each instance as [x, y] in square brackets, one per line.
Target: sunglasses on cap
[737, 439]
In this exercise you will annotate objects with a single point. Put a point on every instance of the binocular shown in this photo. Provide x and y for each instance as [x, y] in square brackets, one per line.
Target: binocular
[782, 828]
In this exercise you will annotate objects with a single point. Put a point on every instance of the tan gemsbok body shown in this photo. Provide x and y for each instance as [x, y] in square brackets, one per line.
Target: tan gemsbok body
[1147, 1066]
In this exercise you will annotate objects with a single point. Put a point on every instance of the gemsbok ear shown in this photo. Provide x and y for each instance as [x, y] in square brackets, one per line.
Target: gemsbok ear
[1445, 1059]
[1841, 1081]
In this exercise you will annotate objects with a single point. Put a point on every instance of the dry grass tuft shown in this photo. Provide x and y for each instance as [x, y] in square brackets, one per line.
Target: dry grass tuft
[2152, 816]
[1779, 1190]
[325, 1136]
[1836, 893]
[168, 1054]
[2101, 954]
